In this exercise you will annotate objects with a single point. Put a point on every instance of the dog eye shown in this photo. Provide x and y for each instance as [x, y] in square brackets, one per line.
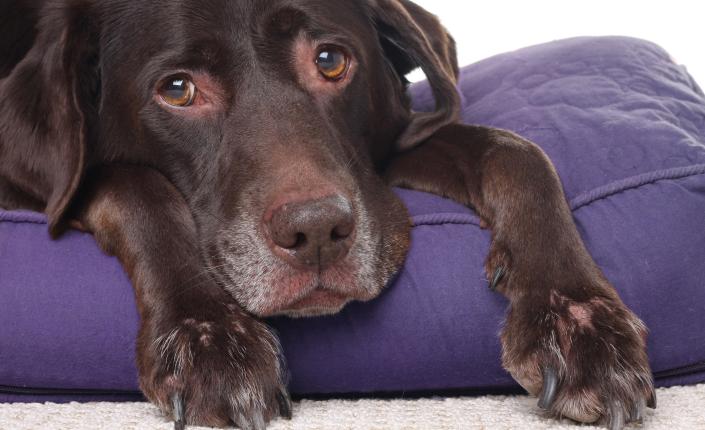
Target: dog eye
[332, 63]
[178, 91]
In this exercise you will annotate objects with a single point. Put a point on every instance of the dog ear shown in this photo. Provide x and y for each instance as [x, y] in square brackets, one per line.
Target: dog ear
[50, 100]
[412, 37]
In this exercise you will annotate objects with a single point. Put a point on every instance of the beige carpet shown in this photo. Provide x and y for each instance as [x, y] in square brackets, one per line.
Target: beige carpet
[680, 408]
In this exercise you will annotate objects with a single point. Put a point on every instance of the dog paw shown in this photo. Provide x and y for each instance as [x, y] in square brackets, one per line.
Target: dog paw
[580, 350]
[214, 371]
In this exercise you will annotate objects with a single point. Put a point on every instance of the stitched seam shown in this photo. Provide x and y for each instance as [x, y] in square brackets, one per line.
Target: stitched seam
[634, 182]
[451, 218]
[26, 220]
[455, 218]
[584, 199]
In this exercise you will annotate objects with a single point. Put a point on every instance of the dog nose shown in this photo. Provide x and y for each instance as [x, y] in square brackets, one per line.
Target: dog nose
[313, 233]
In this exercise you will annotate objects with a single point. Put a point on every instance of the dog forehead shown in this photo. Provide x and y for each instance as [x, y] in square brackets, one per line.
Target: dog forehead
[237, 16]
[138, 32]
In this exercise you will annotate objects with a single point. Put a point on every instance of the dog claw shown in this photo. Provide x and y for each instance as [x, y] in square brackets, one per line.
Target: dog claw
[651, 401]
[616, 416]
[256, 422]
[177, 403]
[241, 422]
[284, 405]
[497, 278]
[550, 388]
[638, 413]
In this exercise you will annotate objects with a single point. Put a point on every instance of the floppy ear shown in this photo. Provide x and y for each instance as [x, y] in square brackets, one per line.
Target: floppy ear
[412, 37]
[50, 102]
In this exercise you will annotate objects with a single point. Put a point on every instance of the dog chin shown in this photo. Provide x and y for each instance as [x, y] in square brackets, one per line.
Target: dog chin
[311, 312]
[319, 302]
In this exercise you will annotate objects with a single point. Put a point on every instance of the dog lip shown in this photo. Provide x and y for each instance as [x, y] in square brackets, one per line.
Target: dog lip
[319, 301]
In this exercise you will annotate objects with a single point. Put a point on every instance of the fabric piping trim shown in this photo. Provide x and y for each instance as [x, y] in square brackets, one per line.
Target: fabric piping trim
[445, 218]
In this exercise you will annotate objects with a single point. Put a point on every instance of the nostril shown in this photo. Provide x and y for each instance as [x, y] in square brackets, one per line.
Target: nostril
[313, 233]
[300, 241]
[289, 241]
[341, 232]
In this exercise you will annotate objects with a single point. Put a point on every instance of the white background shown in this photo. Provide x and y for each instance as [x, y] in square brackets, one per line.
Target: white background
[483, 28]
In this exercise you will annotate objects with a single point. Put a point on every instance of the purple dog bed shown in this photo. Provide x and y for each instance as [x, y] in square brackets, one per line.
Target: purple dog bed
[625, 127]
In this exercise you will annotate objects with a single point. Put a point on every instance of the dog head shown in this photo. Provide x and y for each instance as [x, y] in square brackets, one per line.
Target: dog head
[273, 118]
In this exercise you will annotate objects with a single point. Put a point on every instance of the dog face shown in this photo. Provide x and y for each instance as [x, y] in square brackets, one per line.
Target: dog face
[275, 157]
[274, 119]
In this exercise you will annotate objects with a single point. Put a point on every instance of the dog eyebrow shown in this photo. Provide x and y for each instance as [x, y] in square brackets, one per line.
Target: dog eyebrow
[288, 22]
[207, 55]
[332, 38]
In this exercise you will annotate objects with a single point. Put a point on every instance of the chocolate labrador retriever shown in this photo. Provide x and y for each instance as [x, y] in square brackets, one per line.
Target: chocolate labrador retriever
[237, 156]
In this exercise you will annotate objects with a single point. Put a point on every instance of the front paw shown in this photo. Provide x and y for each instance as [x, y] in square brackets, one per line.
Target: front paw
[215, 369]
[580, 350]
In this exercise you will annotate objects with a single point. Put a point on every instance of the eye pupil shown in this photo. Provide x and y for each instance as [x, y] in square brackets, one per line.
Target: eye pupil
[332, 63]
[175, 89]
[178, 92]
[325, 59]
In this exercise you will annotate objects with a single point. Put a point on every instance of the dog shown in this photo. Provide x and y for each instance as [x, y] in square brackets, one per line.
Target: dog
[238, 157]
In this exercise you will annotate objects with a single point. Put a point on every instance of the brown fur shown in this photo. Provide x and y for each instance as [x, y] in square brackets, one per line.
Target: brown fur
[200, 203]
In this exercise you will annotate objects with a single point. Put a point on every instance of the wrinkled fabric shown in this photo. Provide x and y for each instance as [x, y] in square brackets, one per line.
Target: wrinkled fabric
[625, 127]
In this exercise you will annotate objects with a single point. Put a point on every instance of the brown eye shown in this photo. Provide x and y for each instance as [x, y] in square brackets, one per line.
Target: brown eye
[332, 63]
[178, 91]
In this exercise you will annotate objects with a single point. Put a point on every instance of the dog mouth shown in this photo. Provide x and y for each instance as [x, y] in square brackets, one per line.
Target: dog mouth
[319, 302]
[267, 285]
[311, 295]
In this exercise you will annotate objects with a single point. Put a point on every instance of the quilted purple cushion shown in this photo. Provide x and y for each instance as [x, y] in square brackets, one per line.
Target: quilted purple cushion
[625, 127]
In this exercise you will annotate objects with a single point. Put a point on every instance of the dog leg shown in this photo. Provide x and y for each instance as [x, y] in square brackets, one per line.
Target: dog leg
[568, 337]
[201, 358]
